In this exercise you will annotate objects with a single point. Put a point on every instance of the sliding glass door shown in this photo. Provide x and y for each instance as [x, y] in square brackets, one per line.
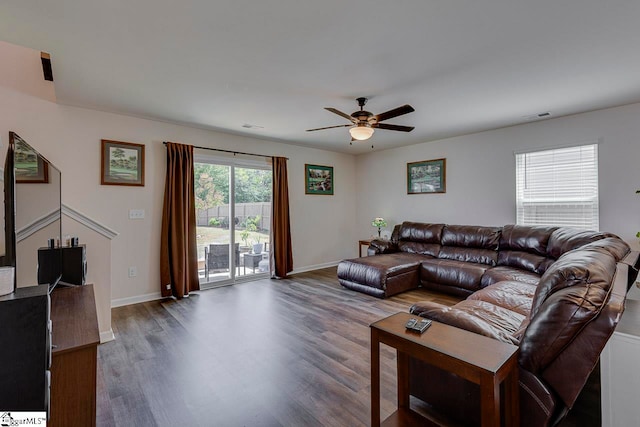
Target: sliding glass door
[233, 211]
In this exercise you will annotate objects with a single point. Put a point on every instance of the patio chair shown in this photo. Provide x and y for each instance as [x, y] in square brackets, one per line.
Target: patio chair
[216, 257]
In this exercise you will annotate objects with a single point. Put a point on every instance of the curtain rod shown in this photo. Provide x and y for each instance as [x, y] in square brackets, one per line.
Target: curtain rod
[230, 151]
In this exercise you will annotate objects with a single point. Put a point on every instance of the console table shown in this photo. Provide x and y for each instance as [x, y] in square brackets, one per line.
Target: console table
[75, 342]
[361, 243]
[619, 375]
[474, 357]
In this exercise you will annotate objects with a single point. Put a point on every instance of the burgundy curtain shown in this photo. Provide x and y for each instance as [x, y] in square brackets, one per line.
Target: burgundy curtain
[282, 257]
[178, 250]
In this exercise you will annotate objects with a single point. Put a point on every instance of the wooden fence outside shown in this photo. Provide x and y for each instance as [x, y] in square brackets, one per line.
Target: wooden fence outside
[243, 211]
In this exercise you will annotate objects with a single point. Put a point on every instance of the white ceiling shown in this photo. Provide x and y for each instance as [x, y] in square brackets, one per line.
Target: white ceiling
[465, 66]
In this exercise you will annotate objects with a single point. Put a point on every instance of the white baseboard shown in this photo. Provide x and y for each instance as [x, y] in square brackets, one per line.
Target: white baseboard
[314, 267]
[120, 302]
[107, 336]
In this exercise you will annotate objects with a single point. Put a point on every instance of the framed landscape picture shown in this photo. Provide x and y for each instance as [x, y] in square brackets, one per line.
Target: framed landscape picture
[30, 168]
[427, 176]
[318, 179]
[122, 163]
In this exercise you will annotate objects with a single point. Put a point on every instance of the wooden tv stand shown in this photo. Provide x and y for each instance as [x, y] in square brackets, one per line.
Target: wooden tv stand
[75, 339]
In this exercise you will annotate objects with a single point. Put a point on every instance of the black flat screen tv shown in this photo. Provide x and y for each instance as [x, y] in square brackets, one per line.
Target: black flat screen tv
[32, 214]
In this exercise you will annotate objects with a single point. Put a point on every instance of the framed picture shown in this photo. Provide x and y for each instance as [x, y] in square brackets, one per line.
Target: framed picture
[29, 167]
[318, 179]
[122, 163]
[427, 176]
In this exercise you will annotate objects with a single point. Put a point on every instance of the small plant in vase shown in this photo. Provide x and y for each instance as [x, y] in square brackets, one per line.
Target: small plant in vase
[244, 235]
[379, 223]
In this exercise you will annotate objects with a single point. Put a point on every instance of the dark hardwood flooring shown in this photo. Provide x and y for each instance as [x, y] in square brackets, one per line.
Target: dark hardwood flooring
[291, 352]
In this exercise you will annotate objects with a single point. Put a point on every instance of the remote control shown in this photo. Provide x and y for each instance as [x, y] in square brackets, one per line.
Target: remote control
[423, 325]
[418, 326]
[411, 323]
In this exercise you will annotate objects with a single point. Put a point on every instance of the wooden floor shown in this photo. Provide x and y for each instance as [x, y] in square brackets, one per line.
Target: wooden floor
[289, 352]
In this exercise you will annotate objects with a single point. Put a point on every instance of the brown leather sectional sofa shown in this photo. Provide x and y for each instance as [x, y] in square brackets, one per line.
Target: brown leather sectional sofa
[555, 292]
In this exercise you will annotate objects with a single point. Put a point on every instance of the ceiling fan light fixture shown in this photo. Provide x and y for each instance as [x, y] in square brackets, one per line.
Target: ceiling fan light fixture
[361, 132]
[362, 123]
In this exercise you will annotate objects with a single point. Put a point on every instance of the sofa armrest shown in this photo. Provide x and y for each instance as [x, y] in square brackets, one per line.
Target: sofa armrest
[381, 246]
[474, 316]
[424, 308]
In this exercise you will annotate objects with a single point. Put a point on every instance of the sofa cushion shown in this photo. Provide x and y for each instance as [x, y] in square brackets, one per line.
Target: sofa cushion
[523, 260]
[476, 316]
[525, 238]
[470, 243]
[500, 273]
[525, 247]
[565, 239]
[446, 272]
[420, 232]
[471, 236]
[420, 238]
[479, 256]
[430, 249]
[515, 296]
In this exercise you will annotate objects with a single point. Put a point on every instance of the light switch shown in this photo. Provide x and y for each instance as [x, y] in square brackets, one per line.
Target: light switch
[136, 213]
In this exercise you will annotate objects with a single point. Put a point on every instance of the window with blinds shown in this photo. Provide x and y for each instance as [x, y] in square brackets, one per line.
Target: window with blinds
[558, 187]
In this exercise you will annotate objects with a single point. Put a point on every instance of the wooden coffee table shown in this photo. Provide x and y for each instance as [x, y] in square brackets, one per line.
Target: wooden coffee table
[474, 357]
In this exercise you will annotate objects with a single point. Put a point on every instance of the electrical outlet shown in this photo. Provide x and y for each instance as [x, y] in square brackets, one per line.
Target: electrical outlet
[136, 213]
[133, 271]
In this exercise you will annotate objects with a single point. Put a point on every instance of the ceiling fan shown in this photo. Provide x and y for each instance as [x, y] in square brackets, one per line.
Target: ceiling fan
[363, 122]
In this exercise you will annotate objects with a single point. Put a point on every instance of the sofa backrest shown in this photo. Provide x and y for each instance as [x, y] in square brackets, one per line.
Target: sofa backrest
[470, 243]
[530, 248]
[617, 247]
[565, 239]
[420, 238]
[571, 294]
[525, 247]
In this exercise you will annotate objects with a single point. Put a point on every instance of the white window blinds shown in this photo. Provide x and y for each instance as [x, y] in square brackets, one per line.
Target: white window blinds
[558, 187]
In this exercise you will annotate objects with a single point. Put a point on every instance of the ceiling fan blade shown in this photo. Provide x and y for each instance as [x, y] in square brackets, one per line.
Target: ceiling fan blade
[341, 114]
[393, 127]
[405, 109]
[329, 127]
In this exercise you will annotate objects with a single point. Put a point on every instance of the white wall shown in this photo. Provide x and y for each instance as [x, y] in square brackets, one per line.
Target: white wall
[21, 70]
[481, 173]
